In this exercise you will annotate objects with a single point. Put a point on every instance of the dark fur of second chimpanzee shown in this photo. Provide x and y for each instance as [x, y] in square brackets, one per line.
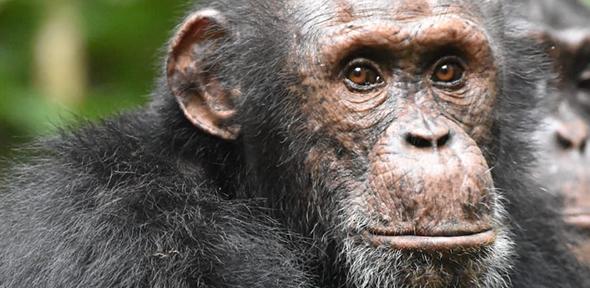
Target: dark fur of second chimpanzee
[147, 200]
[562, 28]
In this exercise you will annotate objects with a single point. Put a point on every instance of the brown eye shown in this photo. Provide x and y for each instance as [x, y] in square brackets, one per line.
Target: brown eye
[363, 77]
[448, 72]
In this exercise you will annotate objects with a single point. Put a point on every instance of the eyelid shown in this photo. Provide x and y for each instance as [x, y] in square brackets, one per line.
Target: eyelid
[359, 62]
[449, 59]
[364, 62]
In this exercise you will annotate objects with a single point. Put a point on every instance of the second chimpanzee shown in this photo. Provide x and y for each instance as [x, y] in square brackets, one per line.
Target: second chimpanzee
[303, 144]
[565, 165]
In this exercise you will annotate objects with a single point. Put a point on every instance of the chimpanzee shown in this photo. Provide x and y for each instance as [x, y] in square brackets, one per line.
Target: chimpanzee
[565, 169]
[331, 143]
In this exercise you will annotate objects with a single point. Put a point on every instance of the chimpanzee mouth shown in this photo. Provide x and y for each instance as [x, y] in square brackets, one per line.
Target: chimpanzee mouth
[578, 218]
[464, 241]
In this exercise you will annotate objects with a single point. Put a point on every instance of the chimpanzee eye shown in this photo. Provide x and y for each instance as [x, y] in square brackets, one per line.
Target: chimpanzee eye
[362, 76]
[448, 72]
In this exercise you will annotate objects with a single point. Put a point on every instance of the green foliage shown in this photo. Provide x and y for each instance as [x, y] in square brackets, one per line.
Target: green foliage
[123, 41]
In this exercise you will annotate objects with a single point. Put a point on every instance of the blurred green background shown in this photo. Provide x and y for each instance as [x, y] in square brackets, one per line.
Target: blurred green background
[65, 59]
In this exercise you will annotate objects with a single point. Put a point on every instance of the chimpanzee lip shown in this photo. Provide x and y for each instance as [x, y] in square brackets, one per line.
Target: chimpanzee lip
[579, 219]
[434, 243]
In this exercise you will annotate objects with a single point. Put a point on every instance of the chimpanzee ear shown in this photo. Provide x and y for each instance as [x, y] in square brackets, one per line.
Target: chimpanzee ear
[194, 79]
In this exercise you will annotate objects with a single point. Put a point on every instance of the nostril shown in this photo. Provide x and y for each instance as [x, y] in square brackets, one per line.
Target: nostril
[418, 141]
[563, 142]
[442, 141]
[572, 136]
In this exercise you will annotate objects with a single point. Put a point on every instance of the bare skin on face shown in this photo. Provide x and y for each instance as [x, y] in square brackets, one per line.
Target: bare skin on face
[411, 93]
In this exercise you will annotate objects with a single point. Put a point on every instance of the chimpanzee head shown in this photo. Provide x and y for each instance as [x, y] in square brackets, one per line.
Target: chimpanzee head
[372, 126]
[565, 160]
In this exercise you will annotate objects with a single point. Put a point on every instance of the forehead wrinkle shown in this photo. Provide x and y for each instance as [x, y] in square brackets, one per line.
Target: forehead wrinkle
[314, 17]
[402, 10]
[375, 35]
[440, 30]
[403, 36]
[411, 9]
[309, 22]
[344, 11]
[368, 10]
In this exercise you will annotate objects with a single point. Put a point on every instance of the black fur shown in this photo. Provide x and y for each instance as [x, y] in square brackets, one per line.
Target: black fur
[562, 28]
[147, 200]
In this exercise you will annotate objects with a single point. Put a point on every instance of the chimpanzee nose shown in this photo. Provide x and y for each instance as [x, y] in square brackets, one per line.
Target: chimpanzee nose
[429, 137]
[572, 136]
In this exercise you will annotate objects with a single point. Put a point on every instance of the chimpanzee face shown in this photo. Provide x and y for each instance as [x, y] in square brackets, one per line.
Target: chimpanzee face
[401, 96]
[565, 166]
[395, 106]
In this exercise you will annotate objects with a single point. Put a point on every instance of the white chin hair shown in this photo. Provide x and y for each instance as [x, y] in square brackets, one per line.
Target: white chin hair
[376, 267]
